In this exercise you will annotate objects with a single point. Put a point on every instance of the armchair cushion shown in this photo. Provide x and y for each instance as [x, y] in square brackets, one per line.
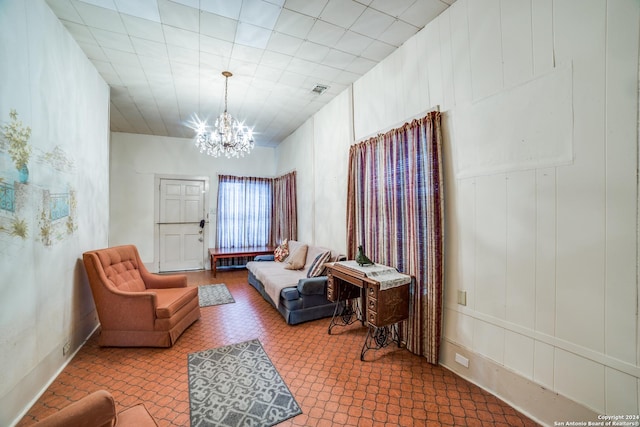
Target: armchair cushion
[170, 301]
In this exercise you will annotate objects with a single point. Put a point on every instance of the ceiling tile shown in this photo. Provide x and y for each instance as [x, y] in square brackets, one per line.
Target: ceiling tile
[346, 77]
[289, 78]
[180, 16]
[93, 51]
[98, 17]
[324, 73]
[191, 3]
[311, 8]
[107, 4]
[140, 8]
[284, 43]
[312, 51]
[246, 53]
[155, 66]
[259, 13]
[397, 33]
[251, 35]
[216, 46]
[143, 29]
[338, 59]
[422, 12]
[361, 65]
[353, 43]
[342, 13]
[108, 39]
[149, 48]
[242, 68]
[325, 33]
[179, 37]
[81, 33]
[183, 55]
[116, 56]
[378, 50]
[275, 59]
[372, 23]
[394, 8]
[270, 74]
[294, 23]
[65, 10]
[218, 26]
[210, 62]
[226, 8]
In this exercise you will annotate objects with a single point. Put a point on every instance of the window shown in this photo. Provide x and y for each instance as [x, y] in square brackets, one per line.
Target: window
[244, 211]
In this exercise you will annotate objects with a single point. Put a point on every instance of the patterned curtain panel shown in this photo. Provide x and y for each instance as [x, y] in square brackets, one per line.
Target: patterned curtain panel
[285, 214]
[395, 210]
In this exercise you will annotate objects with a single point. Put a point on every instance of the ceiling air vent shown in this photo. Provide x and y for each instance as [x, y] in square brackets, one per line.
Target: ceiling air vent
[319, 89]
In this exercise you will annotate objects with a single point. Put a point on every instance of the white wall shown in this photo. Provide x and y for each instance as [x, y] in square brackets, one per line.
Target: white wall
[135, 161]
[541, 194]
[319, 151]
[45, 300]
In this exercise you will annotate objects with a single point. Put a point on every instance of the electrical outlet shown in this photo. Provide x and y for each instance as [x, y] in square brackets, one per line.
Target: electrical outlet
[462, 360]
[66, 348]
[462, 297]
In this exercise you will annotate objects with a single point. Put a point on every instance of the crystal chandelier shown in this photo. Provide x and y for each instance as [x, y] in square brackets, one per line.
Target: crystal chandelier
[229, 136]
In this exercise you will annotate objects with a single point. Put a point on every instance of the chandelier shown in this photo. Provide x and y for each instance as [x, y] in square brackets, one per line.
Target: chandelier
[228, 136]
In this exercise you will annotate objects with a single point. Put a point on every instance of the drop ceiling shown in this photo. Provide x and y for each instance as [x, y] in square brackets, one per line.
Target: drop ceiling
[163, 59]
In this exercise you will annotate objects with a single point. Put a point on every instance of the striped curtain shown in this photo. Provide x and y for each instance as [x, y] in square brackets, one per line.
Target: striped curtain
[395, 211]
[285, 215]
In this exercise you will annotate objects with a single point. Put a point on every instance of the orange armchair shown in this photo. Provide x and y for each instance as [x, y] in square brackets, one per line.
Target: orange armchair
[98, 410]
[137, 308]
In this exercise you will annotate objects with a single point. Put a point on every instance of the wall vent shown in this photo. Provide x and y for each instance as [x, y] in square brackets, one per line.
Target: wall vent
[319, 89]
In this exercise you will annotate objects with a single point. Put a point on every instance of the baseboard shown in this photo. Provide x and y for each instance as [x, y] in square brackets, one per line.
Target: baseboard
[17, 397]
[539, 403]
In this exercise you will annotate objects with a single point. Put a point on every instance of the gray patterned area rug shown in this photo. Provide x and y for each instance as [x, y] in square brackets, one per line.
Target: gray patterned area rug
[237, 385]
[214, 295]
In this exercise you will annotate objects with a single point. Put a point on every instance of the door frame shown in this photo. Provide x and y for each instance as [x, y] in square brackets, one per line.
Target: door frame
[156, 216]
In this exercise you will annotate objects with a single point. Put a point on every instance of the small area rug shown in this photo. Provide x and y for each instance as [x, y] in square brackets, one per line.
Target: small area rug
[214, 295]
[237, 385]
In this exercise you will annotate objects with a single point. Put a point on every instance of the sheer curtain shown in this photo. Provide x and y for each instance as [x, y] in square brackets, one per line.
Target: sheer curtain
[395, 210]
[244, 211]
[285, 213]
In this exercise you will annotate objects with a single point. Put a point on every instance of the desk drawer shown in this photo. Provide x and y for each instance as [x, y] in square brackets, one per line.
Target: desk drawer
[372, 291]
[372, 304]
[372, 318]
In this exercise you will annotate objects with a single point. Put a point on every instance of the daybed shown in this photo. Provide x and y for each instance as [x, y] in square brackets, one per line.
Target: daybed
[295, 285]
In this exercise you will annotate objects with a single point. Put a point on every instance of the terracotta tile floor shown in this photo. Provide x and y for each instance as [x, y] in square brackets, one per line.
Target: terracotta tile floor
[324, 373]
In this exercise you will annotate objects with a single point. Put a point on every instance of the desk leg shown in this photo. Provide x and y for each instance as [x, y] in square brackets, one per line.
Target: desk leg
[378, 338]
[346, 316]
[213, 265]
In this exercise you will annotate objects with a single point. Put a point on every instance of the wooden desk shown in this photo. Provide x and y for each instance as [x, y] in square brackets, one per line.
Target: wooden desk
[219, 253]
[381, 306]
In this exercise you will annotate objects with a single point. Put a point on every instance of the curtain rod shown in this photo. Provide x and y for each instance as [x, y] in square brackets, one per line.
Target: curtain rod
[396, 125]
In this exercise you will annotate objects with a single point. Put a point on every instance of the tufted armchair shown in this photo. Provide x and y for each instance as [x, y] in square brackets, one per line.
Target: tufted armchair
[137, 308]
[98, 410]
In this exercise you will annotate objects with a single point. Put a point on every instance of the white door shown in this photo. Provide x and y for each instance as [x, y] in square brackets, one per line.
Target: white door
[181, 224]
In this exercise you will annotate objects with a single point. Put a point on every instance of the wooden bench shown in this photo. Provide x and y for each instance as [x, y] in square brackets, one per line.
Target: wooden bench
[218, 253]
